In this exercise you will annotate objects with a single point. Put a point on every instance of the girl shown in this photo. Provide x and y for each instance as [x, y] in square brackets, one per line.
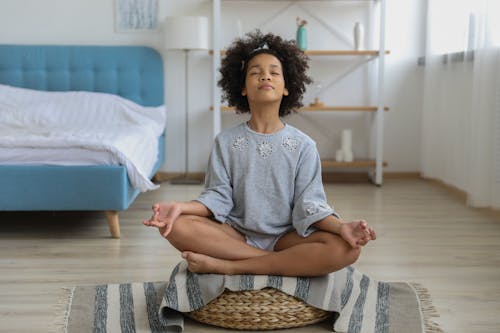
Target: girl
[263, 209]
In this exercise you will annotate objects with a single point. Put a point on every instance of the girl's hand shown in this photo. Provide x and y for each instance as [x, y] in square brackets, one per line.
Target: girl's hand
[357, 233]
[164, 216]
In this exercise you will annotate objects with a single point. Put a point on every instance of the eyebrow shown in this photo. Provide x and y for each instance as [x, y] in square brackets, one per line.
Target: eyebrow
[258, 66]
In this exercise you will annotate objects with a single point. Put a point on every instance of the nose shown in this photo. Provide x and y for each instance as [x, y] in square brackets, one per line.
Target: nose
[265, 77]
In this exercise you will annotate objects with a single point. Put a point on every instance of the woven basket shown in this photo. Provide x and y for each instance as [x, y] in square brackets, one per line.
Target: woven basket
[265, 309]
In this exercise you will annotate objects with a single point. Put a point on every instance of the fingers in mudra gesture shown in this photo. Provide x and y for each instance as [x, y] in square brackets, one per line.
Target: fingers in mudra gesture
[164, 216]
[358, 233]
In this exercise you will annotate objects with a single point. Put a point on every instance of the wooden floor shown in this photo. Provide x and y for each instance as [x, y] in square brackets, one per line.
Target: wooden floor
[426, 235]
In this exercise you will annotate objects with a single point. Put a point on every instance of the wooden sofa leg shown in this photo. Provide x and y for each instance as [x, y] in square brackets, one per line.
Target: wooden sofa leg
[113, 223]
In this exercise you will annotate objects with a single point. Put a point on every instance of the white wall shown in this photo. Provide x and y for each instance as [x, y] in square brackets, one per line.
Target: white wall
[406, 40]
[91, 22]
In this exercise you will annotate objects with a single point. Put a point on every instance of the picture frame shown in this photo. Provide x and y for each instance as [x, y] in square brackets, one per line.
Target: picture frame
[136, 15]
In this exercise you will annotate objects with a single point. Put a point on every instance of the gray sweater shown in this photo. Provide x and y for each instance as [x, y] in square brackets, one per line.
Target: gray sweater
[265, 184]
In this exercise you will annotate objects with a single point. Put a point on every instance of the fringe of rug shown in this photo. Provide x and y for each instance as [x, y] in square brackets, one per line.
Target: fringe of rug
[62, 308]
[427, 308]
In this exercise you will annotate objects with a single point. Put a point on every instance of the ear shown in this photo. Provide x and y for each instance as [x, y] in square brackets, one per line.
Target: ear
[285, 92]
[244, 92]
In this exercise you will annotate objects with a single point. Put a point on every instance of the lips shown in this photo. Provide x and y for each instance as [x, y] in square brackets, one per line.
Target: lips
[266, 87]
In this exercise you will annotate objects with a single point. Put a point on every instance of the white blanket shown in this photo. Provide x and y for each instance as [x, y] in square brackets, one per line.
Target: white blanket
[76, 119]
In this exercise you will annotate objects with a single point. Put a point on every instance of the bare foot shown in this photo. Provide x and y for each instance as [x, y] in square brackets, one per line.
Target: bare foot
[201, 263]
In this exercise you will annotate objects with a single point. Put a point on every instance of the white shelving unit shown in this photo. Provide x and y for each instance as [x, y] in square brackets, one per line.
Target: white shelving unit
[374, 165]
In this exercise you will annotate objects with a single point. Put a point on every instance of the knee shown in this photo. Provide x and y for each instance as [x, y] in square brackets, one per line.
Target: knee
[352, 255]
[345, 254]
[181, 229]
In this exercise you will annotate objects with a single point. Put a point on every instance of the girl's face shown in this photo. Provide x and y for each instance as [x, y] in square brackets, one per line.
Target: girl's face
[264, 81]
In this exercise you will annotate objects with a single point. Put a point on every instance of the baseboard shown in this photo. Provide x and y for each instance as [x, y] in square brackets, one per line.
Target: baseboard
[345, 177]
[402, 175]
[461, 194]
[328, 177]
[168, 176]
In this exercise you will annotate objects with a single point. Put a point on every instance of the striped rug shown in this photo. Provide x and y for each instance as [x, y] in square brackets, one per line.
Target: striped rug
[363, 304]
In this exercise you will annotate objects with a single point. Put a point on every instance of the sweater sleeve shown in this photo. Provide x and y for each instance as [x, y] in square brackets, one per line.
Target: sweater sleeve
[310, 205]
[217, 195]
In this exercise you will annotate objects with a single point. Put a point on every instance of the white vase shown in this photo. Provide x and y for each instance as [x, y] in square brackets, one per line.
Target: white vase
[346, 140]
[339, 155]
[359, 35]
[348, 156]
[346, 146]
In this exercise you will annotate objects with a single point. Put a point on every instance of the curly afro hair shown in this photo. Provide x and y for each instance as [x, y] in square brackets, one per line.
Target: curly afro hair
[234, 68]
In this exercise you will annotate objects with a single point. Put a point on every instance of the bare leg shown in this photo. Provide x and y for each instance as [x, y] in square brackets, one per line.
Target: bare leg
[318, 254]
[205, 236]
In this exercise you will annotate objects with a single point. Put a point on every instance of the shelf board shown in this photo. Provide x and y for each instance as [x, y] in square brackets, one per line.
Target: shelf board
[322, 108]
[331, 52]
[341, 108]
[344, 52]
[354, 164]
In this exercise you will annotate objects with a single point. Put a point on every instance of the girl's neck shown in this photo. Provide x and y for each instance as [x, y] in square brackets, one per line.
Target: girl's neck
[265, 123]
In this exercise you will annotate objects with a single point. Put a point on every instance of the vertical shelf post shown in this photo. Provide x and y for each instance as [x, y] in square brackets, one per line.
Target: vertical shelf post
[380, 100]
[216, 59]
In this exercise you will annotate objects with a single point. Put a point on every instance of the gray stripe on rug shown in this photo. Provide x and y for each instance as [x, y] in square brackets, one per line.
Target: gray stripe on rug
[127, 319]
[246, 282]
[153, 307]
[356, 320]
[100, 308]
[274, 281]
[171, 291]
[404, 312]
[382, 308]
[302, 288]
[346, 293]
[193, 291]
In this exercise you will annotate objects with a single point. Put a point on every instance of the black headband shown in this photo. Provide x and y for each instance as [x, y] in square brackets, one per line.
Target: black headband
[263, 48]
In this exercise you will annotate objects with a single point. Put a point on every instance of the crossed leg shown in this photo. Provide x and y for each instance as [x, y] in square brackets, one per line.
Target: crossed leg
[202, 235]
[210, 247]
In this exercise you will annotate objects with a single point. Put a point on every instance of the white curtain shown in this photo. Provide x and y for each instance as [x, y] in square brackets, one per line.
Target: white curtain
[461, 98]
